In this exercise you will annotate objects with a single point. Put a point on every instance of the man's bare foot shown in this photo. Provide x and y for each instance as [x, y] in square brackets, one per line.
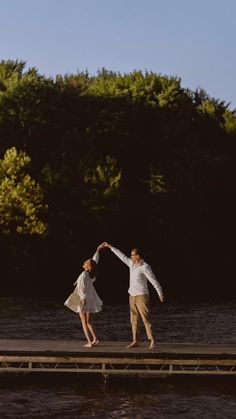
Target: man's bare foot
[133, 344]
[88, 345]
[153, 345]
[95, 342]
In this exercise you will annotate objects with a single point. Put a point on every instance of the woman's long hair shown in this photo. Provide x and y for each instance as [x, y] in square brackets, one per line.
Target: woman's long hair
[93, 271]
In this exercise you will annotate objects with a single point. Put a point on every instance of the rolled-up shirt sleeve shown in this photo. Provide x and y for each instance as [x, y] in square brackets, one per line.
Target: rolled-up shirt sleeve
[96, 257]
[121, 256]
[151, 278]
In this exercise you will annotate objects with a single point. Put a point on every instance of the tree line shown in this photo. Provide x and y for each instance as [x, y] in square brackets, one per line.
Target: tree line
[134, 159]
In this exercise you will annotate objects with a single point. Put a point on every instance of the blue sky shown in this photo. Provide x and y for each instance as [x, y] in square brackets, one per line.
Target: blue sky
[192, 39]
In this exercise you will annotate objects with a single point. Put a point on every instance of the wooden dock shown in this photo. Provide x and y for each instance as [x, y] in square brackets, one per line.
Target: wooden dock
[113, 358]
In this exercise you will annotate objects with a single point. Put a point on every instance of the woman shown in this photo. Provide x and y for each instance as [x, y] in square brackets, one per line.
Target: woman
[84, 300]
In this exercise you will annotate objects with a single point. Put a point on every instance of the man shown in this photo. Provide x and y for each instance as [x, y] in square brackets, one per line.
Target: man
[140, 272]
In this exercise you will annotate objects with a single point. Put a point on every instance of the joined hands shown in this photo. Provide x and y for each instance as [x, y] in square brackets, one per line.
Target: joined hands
[102, 245]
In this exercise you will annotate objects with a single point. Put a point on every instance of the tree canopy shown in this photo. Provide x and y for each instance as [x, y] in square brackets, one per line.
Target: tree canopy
[132, 158]
[21, 198]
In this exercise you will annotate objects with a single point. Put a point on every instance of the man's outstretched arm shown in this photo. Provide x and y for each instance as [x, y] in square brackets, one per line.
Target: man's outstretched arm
[119, 254]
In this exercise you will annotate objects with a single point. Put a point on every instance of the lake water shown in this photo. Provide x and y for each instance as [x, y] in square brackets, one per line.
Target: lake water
[64, 396]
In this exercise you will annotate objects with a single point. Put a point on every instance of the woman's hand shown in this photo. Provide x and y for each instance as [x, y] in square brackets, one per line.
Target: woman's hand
[105, 244]
[100, 247]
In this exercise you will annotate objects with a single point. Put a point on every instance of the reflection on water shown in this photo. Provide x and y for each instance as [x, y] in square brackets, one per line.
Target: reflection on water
[144, 399]
[74, 397]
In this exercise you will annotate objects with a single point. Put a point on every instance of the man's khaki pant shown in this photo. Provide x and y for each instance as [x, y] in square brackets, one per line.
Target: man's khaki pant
[139, 309]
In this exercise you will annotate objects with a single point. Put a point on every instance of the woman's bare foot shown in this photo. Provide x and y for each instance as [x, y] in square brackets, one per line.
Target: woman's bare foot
[133, 344]
[88, 345]
[95, 342]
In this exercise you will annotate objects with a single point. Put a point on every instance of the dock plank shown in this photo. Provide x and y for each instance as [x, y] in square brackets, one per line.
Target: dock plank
[54, 347]
[114, 358]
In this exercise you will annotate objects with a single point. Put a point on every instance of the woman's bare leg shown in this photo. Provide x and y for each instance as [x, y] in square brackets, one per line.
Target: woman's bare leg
[91, 329]
[85, 328]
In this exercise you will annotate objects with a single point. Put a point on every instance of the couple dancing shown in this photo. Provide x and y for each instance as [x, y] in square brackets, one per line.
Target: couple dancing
[85, 301]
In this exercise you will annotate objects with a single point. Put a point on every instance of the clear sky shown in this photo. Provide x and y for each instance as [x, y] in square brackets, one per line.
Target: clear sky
[192, 39]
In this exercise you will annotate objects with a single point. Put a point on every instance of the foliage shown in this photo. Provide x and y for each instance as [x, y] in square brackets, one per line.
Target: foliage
[103, 185]
[132, 158]
[157, 183]
[20, 196]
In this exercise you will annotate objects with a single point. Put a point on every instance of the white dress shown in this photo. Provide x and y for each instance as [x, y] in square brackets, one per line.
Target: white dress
[85, 290]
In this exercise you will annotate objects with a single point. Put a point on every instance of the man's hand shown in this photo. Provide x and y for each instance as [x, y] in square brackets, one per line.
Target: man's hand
[105, 244]
[162, 298]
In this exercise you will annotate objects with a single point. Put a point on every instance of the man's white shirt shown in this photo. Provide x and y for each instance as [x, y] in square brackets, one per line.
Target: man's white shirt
[139, 275]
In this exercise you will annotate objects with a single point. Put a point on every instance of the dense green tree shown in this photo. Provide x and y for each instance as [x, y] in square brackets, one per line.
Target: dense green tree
[21, 198]
[133, 158]
[102, 186]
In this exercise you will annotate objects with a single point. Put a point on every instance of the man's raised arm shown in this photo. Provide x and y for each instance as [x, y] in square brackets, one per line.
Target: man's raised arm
[119, 254]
